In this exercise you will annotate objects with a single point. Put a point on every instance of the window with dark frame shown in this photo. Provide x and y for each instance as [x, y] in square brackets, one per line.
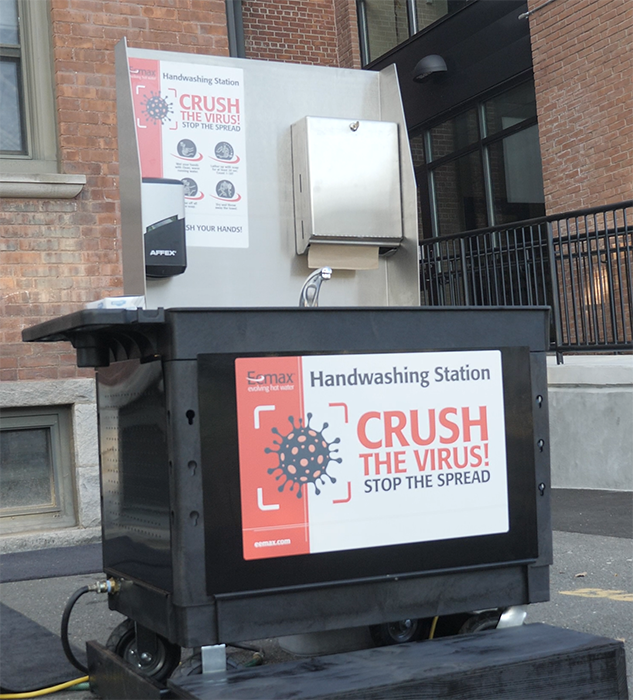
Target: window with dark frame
[12, 124]
[383, 24]
[36, 473]
[482, 166]
[28, 130]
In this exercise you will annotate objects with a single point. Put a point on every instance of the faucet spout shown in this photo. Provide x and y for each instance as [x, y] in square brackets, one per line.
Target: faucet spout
[312, 286]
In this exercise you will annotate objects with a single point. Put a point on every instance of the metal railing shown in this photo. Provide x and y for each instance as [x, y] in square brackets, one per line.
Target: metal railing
[578, 263]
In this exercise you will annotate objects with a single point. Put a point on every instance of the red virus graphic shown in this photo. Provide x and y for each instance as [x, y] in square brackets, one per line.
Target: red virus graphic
[304, 455]
[157, 108]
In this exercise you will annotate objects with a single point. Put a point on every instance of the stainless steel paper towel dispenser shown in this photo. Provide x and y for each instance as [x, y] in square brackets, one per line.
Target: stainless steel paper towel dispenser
[347, 188]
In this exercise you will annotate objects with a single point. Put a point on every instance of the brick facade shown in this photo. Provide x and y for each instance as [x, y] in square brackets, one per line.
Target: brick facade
[319, 32]
[347, 31]
[582, 70]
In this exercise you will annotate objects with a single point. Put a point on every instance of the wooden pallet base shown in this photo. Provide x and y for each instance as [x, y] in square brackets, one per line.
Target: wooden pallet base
[532, 662]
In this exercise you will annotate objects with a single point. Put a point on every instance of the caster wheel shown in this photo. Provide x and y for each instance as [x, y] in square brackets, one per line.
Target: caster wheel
[399, 632]
[159, 666]
[191, 667]
[480, 622]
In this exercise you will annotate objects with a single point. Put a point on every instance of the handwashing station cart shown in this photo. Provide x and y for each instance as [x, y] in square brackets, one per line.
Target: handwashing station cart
[269, 470]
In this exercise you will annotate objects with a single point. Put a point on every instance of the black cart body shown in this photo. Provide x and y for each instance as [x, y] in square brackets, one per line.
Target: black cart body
[170, 476]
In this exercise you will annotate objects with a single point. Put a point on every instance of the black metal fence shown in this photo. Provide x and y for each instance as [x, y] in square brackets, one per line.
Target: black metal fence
[579, 263]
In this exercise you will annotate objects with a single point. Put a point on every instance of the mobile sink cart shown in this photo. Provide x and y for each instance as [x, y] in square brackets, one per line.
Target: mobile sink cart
[270, 471]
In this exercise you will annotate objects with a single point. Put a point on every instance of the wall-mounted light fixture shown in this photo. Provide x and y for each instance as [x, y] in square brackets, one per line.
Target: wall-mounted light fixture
[428, 66]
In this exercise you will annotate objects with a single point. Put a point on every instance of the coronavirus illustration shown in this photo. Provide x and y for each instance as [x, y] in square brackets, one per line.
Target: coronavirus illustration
[156, 108]
[304, 456]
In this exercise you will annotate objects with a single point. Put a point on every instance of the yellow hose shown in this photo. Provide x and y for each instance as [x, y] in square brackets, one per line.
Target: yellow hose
[433, 626]
[43, 691]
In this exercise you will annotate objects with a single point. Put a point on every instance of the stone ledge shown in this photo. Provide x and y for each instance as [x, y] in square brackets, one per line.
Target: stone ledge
[591, 370]
[48, 186]
[45, 539]
[47, 392]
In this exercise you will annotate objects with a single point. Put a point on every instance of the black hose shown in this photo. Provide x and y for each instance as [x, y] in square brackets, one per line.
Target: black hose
[64, 635]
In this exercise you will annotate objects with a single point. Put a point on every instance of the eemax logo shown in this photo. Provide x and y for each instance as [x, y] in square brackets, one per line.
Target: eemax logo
[269, 379]
[167, 253]
[147, 72]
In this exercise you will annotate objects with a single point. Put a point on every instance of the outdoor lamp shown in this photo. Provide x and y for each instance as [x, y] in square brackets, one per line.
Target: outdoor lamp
[427, 66]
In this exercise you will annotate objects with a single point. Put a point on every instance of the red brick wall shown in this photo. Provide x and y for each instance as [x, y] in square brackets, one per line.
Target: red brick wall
[347, 30]
[59, 254]
[292, 31]
[583, 68]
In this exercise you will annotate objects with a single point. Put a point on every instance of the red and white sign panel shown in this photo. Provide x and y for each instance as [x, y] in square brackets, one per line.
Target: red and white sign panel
[345, 452]
[189, 121]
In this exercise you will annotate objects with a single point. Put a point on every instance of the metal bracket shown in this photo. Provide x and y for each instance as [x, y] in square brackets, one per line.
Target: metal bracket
[514, 616]
[213, 659]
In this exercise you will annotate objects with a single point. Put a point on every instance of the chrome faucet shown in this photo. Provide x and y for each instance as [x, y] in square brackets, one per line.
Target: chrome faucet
[312, 286]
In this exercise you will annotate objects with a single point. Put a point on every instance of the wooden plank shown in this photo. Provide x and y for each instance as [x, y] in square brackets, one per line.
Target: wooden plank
[533, 662]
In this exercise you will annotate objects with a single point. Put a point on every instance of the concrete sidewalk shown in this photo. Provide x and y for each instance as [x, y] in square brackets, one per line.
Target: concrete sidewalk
[591, 590]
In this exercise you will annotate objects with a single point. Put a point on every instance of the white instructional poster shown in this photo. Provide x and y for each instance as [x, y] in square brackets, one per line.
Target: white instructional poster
[189, 122]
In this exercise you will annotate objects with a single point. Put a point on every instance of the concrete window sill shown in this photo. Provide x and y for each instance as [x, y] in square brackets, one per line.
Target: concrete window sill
[49, 186]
